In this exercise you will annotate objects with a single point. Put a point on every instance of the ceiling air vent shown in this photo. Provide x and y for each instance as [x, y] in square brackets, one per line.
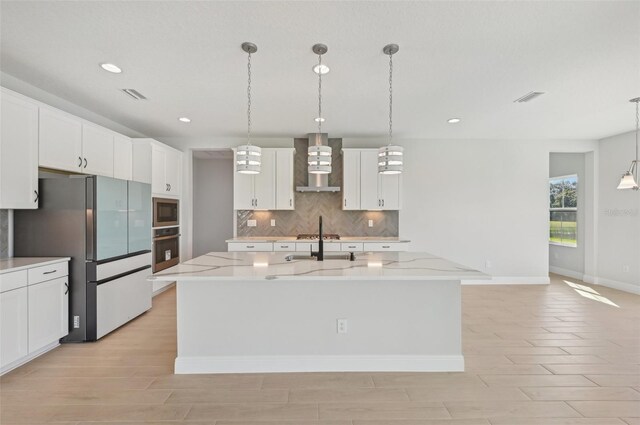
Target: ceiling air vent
[135, 94]
[529, 96]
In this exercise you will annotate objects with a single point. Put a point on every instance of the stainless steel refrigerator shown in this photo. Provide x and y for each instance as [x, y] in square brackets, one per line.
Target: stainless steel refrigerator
[104, 225]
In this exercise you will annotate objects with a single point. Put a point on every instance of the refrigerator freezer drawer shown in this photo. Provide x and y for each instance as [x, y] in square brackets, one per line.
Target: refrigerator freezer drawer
[120, 300]
[124, 265]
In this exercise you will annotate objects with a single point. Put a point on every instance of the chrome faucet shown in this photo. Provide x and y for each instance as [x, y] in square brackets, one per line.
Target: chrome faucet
[320, 253]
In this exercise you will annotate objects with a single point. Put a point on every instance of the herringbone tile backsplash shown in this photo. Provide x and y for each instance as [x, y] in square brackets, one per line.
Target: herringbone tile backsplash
[310, 205]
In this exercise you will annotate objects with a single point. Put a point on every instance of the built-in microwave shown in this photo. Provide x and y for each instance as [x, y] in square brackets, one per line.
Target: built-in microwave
[165, 212]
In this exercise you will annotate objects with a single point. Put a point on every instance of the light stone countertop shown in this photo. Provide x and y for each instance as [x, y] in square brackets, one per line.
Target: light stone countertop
[346, 239]
[273, 266]
[14, 264]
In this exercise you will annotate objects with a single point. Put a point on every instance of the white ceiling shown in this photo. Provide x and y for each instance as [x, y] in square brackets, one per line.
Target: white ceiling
[456, 59]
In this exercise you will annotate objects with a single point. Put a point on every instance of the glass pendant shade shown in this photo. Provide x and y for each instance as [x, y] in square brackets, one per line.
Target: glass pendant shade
[627, 181]
[390, 159]
[248, 159]
[319, 159]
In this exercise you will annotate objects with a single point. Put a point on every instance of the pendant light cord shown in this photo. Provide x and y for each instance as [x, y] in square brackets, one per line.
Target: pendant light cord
[319, 93]
[249, 99]
[390, 99]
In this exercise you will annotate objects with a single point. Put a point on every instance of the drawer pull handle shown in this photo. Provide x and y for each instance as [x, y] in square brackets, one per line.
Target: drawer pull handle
[49, 272]
[250, 246]
[386, 246]
[66, 286]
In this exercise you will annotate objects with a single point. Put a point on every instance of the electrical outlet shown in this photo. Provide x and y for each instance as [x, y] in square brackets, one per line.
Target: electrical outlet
[273, 222]
[487, 264]
[370, 223]
[76, 322]
[341, 326]
[625, 268]
[251, 223]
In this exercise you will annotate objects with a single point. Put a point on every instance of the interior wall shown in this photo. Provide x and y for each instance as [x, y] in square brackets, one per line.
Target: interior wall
[618, 217]
[212, 204]
[567, 260]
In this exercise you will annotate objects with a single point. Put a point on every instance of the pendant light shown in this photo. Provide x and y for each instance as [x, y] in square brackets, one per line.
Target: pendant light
[248, 156]
[319, 156]
[390, 156]
[629, 179]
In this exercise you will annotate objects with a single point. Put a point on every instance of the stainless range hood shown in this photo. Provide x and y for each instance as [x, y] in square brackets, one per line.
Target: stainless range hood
[317, 182]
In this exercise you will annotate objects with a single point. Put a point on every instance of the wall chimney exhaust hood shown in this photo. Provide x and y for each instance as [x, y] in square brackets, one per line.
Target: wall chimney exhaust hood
[318, 182]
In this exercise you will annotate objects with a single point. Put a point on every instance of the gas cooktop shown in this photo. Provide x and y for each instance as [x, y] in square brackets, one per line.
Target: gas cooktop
[310, 236]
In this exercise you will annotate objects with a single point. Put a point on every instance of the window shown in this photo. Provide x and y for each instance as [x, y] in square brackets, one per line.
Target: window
[563, 210]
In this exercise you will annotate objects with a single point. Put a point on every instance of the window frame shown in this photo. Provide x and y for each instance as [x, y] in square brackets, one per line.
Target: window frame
[564, 209]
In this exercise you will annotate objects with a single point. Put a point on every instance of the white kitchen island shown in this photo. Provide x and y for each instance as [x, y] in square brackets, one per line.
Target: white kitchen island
[243, 312]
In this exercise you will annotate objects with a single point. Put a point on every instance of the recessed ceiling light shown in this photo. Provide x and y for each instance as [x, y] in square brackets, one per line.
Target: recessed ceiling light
[453, 120]
[111, 68]
[319, 119]
[184, 119]
[321, 69]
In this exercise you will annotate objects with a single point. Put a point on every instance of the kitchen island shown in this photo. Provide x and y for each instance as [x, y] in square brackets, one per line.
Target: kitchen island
[244, 312]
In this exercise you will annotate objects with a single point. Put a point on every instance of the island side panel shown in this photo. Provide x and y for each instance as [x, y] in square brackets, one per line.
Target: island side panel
[290, 326]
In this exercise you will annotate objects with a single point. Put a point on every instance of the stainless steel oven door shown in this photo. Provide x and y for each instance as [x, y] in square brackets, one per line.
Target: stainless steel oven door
[165, 212]
[166, 248]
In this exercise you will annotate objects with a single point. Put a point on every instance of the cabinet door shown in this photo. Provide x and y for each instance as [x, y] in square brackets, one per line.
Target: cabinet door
[351, 180]
[97, 150]
[389, 188]
[265, 182]
[158, 179]
[284, 179]
[142, 162]
[369, 195]
[122, 157]
[48, 312]
[18, 153]
[173, 171]
[242, 191]
[14, 319]
[60, 141]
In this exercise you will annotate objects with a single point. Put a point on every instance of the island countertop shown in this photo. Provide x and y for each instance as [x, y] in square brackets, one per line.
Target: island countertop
[273, 266]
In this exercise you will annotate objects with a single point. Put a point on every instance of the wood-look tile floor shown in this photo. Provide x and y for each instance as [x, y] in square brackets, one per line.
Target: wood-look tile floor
[563, 354]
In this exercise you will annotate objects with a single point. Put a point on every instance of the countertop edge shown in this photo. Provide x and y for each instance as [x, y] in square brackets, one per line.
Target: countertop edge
[346, 239]
[45, 261]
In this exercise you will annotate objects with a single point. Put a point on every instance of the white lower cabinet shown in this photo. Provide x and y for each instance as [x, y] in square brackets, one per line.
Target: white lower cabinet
[14, 328]
[250, 247]
[48, 312]
[34, 312]
[385, 246]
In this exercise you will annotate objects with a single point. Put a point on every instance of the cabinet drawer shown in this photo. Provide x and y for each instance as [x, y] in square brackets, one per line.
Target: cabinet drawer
[52, 271]
[254, 246]
[332, 247]
[352, 247]
[14, 280]
[385, 246]
[306, 246]
[284, 246]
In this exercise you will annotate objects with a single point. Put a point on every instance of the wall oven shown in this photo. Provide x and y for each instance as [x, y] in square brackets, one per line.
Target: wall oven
[166, 248]
[165, 212]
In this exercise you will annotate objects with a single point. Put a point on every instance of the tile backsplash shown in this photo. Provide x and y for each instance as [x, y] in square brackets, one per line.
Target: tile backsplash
[310, 205]
[4, 233]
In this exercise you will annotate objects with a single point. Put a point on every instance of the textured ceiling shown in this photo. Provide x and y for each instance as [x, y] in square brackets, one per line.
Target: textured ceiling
[456, 59]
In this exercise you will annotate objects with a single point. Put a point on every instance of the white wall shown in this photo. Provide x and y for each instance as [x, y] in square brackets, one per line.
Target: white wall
[618, 217]
[212, 204]
[565, 259]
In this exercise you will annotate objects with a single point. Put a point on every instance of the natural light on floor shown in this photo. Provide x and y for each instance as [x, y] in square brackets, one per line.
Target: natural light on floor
[590, 293]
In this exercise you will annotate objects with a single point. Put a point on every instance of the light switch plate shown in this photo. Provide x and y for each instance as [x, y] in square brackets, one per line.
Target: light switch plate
[251, 223]
[273, 222]
[370, 223]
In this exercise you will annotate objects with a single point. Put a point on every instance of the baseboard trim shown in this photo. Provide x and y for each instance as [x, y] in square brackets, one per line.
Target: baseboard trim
[567, 273]
[28, 358]
[272, 364]
[510, 280]
[614, 284]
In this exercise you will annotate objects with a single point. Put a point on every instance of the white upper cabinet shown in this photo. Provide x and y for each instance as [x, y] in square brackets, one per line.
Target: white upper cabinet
[377, 191]
[173, 171]
[97, 150]
[142, 161]
[18, 152]
[243, 189]
[351, 179]
[265, 182]
[122, 157]
[60, 141]
[285, 189]
[159, 182]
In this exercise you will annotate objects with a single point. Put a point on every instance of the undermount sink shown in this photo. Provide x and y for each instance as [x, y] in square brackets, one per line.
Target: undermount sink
[349, 256]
